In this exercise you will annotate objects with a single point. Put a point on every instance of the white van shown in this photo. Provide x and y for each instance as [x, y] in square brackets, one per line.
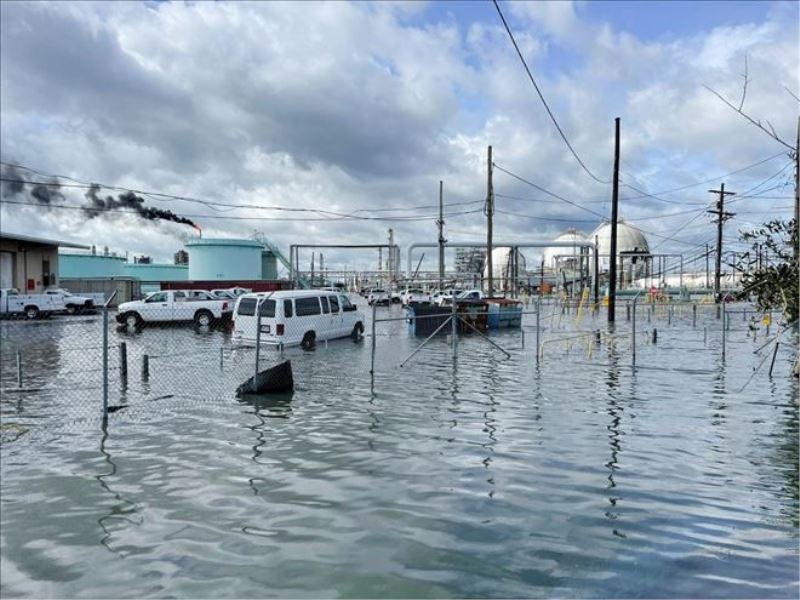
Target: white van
[295, 317]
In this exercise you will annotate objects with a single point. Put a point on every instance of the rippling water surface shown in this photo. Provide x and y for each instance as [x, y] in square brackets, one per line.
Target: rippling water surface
[480, 476]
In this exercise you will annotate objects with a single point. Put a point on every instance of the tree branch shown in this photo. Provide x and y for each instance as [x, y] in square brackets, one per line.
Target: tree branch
[749, 118]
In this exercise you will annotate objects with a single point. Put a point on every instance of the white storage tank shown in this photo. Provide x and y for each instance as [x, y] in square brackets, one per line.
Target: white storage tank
[629, 239]
[224, 259]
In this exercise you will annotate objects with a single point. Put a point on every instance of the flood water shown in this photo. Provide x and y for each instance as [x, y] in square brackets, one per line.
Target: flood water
[479, 476]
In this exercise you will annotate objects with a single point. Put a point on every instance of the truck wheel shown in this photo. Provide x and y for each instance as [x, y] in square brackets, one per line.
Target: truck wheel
[309, 341]
[358, 331]
[31, 312]
[133, 320]
[203, 318]
[71, 309]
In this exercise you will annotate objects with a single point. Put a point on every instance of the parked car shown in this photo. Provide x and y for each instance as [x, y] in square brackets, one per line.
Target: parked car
[378, 297]
[293, 317]
[175, 305]
[396, 296]
[73, 304]
[224, 294]
[32, 306]
[415, 295]
[467, 295]
[446, 297]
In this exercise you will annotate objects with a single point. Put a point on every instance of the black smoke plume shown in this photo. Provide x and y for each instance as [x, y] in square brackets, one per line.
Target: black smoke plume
[128, 202]
[14, 184]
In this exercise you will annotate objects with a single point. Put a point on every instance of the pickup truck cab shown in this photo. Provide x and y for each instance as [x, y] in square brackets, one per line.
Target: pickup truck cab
[175, 305]
[415, 295]
[378, 296]
[32, 306]
[293, 317]
[73, 304]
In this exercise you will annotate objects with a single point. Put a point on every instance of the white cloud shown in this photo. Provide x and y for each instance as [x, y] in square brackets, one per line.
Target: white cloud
[343, 106]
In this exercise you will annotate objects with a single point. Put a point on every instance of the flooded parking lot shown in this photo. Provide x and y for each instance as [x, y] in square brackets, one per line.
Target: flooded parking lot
[480, 475]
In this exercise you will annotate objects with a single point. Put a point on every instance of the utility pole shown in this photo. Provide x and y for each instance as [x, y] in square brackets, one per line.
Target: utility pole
[312, 267]
[322, 267]
[708, 277]
[797, 190]
[612, 263]
[489, 211]
[390, 260]
[722, 216]
[442, 241]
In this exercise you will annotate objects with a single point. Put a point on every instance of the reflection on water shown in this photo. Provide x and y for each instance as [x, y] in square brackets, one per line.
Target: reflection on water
[472, 477]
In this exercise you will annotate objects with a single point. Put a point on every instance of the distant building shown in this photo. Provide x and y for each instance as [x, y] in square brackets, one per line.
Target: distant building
[28, 263]
[470, 260]
[181, 257]
[142, 260]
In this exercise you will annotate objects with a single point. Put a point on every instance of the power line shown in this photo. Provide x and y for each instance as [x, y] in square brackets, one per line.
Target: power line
[711, 180]
[541, 97]
[546, 191]
[208, 203]
[242, 218]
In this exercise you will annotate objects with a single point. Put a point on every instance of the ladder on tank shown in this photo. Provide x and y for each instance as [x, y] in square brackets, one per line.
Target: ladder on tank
[261, 239]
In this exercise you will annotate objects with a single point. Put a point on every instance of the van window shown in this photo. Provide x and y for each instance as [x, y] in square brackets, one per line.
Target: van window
[325, 308]
[346, 305]
[307, 306]
[268, 308]
[334, 304]
[247, 307]
[287, 308]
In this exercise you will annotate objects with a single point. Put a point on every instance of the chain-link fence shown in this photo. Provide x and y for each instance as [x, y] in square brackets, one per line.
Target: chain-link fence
[143, 360]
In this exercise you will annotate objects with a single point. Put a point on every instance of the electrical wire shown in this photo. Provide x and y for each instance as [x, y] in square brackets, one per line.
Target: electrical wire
[546, 191]
[541, 97]
[241, 218]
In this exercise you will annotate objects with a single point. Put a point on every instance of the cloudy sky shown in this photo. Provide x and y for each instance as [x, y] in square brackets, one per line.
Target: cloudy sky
[345, 107]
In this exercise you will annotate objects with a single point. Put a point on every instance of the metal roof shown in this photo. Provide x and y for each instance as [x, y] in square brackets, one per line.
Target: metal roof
[17, 237]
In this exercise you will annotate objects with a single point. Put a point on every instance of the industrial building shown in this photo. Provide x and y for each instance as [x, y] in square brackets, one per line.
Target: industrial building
[29, 263]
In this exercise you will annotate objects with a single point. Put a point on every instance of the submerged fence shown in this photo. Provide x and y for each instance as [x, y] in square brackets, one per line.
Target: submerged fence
[87, 367]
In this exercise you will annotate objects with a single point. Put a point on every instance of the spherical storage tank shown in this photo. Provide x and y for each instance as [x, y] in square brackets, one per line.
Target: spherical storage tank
[224, 259]
[566, 258]
[629, 239]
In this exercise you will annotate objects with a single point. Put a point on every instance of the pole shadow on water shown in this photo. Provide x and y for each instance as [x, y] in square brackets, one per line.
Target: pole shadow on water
[124, 509]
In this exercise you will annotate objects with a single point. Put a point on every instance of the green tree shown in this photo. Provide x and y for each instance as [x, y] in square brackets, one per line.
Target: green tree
[774, 283]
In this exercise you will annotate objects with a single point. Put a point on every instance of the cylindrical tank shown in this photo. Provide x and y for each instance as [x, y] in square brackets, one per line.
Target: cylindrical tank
[565, 258]
[90, 266]
[224, 259]
[269, 265]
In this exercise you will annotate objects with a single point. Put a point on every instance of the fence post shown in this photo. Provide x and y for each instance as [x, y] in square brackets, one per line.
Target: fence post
[123, 361]
[454, 324]
[538, 313]
[221, 358]
[145, 367]
[774, 354]
[372, 359]
[723, 312]
[258, 346]
[19, 369]
[633, 334]
[694, 316]
[105, 362]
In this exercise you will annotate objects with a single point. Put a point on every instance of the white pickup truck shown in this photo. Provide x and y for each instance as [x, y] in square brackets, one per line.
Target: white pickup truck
[74, 304]
[32, 306]
[175, 305]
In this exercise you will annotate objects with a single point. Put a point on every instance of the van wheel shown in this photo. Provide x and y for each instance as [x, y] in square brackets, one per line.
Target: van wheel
[71, 309]
[133, 320]
[203, 318]
[358, 331]
[309, 341]
[32, 312]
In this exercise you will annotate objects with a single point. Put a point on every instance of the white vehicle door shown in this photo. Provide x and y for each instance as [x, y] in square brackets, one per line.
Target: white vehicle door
[329, 326]
[337, 322]
[154, 307]
[180, 308]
